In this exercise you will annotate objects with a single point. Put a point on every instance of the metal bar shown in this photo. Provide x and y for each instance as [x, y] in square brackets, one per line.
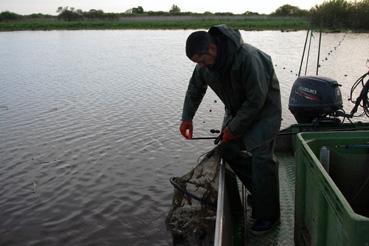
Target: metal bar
[202, 138]
[220, 220]
[308, 53]
[317, 62]
[303, 53]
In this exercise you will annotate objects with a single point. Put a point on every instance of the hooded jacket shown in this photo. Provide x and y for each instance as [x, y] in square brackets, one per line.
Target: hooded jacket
[247, 85]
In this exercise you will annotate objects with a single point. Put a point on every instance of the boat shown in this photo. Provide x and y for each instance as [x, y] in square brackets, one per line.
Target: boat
[323, 173]
[228, 230]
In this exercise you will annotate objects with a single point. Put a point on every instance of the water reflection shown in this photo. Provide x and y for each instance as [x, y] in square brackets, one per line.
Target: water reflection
[89, 127]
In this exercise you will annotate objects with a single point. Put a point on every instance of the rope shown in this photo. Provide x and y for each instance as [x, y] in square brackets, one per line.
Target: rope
[334, 49]
[307, 54]
[362, 99]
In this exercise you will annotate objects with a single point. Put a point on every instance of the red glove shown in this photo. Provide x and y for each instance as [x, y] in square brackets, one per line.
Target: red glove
[186, 129]
[228, 136]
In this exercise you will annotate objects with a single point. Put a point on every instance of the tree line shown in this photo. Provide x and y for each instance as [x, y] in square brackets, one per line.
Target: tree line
[73, 14]
[333, 14]
[338, 14]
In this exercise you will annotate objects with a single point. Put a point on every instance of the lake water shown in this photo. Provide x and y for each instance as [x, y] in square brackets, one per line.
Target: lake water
[89, 127]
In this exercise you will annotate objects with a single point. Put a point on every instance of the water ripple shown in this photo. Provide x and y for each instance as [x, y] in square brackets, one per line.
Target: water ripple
[89, 132]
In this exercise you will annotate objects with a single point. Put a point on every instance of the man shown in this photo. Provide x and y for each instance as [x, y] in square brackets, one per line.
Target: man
[243, 77]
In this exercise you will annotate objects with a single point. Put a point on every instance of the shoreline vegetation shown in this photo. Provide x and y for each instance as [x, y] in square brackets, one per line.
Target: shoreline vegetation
[331, 16]
[158, 22]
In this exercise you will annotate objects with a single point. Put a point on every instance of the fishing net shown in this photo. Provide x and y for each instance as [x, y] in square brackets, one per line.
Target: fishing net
[191, 219]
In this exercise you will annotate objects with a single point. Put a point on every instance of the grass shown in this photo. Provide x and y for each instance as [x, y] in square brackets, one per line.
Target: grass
[247, 23]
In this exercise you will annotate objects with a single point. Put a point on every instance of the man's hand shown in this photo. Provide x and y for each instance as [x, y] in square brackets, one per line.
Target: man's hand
[228, 136]
[186, 129]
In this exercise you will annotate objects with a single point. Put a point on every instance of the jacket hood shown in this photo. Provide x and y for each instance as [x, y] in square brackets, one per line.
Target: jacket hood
[233, 34]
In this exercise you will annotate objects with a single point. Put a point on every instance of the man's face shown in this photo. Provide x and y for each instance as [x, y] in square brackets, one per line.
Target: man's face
[208, 58]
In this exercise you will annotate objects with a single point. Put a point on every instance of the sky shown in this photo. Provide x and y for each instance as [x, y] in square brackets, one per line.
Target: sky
[199, 6]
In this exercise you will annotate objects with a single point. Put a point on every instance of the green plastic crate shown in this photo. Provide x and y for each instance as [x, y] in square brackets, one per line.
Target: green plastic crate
[332, 208]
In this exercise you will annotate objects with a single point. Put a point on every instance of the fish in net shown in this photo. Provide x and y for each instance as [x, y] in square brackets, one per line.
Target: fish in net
[191, 219]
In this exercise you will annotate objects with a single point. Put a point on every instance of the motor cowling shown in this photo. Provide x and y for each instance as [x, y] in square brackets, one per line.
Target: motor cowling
[314, 97]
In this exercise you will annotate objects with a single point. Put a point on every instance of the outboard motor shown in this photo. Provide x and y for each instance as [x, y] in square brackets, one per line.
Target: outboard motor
[314, 97]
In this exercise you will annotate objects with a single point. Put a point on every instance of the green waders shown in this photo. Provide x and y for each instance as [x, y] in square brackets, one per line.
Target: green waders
[259, 173]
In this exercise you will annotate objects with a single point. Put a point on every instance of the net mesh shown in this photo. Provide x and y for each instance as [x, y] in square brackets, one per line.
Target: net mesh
[191, 218]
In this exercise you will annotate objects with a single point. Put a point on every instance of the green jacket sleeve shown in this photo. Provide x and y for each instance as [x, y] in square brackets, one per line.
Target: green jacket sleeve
[256, 82]
[194, 95]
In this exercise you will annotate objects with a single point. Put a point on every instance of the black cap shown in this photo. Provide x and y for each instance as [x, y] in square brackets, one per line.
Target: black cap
[198, 43]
